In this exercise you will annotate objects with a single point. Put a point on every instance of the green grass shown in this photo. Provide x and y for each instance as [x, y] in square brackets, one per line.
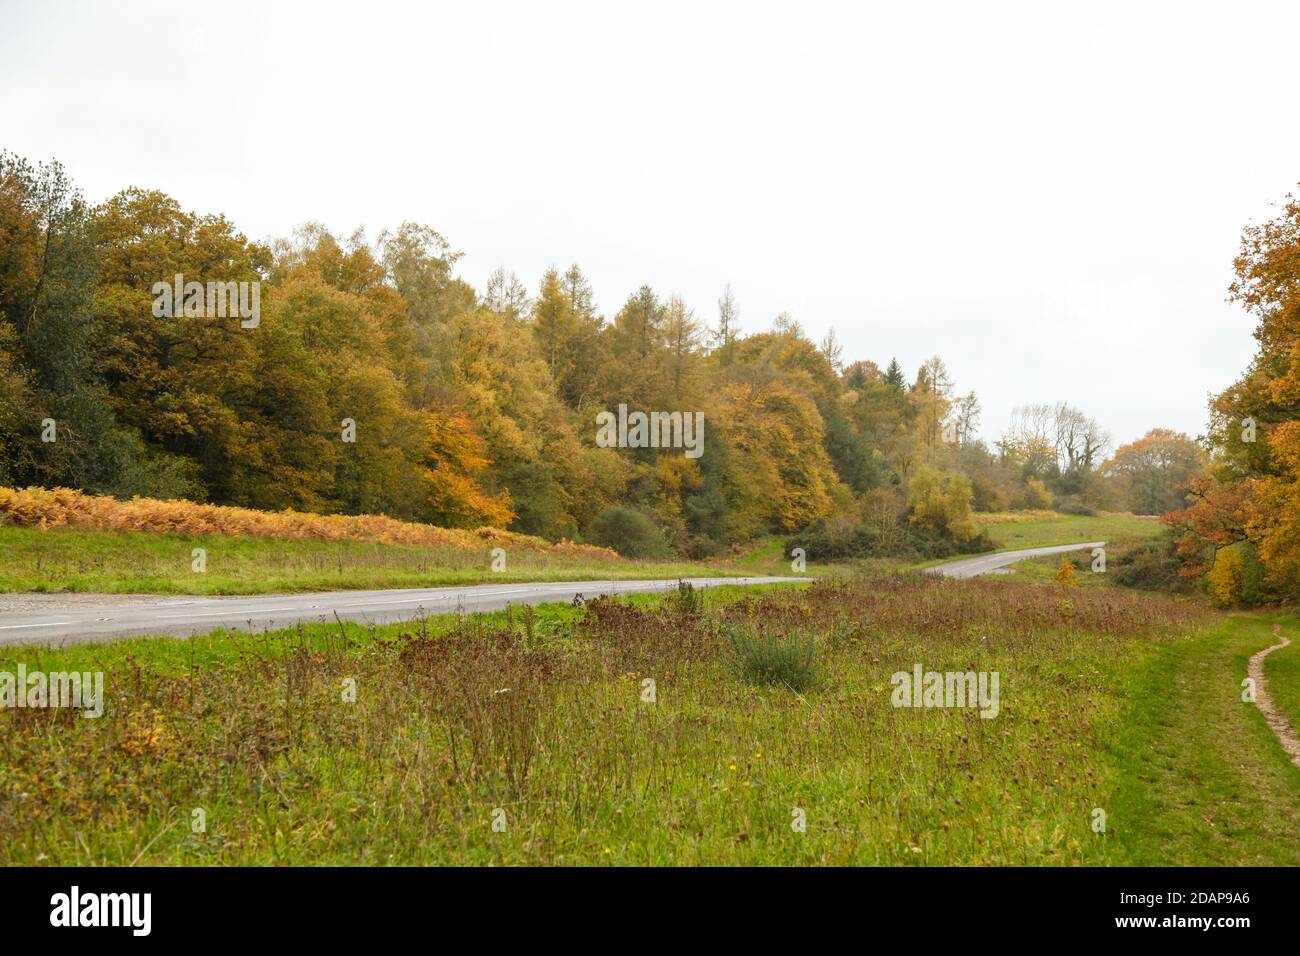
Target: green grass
[152, 563]
[1203, 779]
[66, 559]
[1070, 529]
[1124, 702]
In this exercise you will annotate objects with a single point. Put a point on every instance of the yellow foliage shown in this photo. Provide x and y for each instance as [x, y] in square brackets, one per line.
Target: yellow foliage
[1065, 576]
[776, 433]
[1036, 494]
[1225, 577]
[940, 501]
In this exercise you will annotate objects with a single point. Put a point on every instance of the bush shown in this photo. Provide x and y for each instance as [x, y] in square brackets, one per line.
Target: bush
[841, 539]
[627, 531]
[1036, 495]
[1147, 565]
[1074, 505]
[1224, 577]
[837, 539]
[701, 548]
[987, 496]
[1065, 576]
[767, 657]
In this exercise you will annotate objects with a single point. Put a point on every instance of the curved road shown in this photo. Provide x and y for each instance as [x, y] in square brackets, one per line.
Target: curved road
[110, 616]
[984, 563]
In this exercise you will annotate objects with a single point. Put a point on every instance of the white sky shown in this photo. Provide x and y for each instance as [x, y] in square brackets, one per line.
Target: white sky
[1050, 199]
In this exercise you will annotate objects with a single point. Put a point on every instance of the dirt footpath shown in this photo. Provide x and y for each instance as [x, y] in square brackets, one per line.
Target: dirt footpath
[1281, 726]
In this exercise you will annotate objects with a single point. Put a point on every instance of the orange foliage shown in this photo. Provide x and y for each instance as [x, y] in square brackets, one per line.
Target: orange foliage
[455, 455]
[63, 507]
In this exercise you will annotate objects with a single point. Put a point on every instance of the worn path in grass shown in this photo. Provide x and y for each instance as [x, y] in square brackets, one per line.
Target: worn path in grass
[1277, 721]
[985, 563]
[126, 616]
[1203, 778]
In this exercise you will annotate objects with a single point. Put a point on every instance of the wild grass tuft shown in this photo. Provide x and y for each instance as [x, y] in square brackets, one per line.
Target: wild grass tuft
[766, 656]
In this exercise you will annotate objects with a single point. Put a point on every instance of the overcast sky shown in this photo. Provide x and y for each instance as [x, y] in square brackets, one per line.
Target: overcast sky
[1049, 199]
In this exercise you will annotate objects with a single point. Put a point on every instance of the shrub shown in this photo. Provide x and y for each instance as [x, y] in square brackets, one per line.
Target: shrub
[836, 539]
[627, 531]
[987, 496]
[1074, 505]
[1224, 578]
[1147, 565]
[840, 539]
[1036, 494]
[769, 657]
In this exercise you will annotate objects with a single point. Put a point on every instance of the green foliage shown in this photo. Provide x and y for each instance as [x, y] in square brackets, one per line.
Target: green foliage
[50, 337]
[1150, 565]
[628, 531]
[766, 655]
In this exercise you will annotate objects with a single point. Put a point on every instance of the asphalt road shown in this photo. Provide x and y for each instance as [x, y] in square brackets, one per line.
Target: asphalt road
[113, 617]
[105, 617]
[984, 563]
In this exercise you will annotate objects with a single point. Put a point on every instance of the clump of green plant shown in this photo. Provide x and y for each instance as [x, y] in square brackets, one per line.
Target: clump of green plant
[687, 600]
[771, 657]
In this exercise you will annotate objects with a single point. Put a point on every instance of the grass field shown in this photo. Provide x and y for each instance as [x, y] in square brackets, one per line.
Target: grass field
[124, 562]
[1064, 529]
[151, 562]
[542, 724]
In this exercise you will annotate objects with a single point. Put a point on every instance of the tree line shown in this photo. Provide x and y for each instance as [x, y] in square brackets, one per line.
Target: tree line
[378, 381]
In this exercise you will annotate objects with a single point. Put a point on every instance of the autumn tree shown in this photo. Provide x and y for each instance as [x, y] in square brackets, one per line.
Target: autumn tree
[682, 334]
[728, 328]
[940, 502]
[506, 295]
[932, 394]
[454, 455]
[1250, 500]
[1152, 473]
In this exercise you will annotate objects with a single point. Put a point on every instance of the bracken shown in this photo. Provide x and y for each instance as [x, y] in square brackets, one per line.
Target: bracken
[64, 507]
